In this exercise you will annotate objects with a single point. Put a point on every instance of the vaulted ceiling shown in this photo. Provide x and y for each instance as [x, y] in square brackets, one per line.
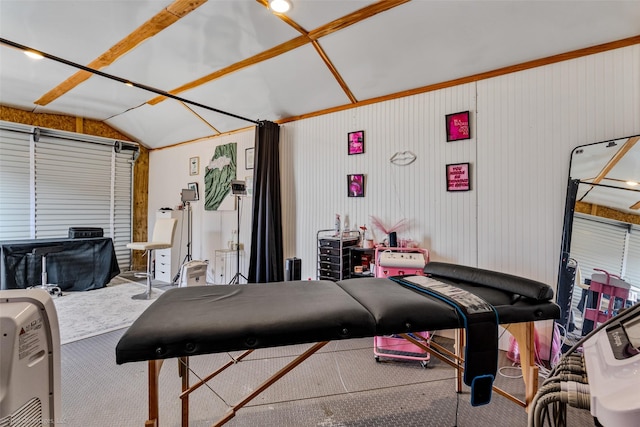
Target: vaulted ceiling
[189, 62]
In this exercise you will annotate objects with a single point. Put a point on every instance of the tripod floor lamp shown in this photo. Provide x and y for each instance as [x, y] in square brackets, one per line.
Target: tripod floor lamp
[187, 196]
[238, 189]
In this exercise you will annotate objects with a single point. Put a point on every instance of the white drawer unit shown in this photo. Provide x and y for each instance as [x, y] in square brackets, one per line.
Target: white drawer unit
[164, 267]
[168, 261]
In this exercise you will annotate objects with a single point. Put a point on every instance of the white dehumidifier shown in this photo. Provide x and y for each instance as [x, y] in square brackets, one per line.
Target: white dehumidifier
[193, 273]
[29, 359]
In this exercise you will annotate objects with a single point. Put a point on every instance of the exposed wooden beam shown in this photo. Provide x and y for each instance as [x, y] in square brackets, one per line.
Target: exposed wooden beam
[334, 71]
[630, 41]
[202, 119]
[166, 17]
[354, 18]
[319, 50]
[262, 56]
[295, 43]
[628, 145]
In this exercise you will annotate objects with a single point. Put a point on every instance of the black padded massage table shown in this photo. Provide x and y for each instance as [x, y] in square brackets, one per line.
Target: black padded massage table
[200, 320]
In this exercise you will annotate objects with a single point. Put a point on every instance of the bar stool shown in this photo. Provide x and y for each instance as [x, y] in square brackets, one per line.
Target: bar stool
[43, 252]
[163, 232]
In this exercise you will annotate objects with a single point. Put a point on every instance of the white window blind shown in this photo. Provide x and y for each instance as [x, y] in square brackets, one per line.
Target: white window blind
[15, 193]
[597, 244]
[71, 180]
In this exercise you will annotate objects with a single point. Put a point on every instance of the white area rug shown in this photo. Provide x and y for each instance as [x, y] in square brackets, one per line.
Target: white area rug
[89, 313]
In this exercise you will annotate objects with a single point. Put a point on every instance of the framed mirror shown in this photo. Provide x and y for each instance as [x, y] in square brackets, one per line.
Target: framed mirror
[599, 272]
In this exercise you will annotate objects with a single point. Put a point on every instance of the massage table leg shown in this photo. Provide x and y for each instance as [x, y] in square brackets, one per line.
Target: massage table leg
[183, 372]
[154, 407]
[267, 383]
[459, 343]
[524, 335]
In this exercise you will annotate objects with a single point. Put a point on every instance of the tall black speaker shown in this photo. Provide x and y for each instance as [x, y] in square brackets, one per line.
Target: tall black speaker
[292, 269]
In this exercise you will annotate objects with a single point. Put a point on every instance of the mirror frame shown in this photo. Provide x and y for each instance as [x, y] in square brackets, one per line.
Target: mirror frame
[567, 267]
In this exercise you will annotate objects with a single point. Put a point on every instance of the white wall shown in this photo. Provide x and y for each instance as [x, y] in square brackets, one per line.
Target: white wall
[169, 174]
[524, 126]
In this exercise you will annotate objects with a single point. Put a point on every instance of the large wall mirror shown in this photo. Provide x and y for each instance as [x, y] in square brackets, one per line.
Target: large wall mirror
[600, 258]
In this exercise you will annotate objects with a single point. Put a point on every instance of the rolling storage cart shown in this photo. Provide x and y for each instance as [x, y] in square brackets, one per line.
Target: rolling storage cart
[401, 262]
[333, 253]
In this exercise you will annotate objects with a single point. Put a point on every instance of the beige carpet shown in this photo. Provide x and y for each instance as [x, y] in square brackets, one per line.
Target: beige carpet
[89, 313]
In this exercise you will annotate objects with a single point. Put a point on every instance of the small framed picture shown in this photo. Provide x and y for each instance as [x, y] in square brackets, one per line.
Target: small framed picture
[355, 142]
[248, 158]
[194, 186]
[458, 126]
[194, 165]
[355, 185]
[458, 177]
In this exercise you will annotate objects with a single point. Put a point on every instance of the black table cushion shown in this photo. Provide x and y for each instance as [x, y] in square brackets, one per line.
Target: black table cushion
[209, 319]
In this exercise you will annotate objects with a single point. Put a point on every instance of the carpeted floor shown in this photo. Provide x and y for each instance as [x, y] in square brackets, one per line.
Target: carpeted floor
[342, 385]
[88, 313]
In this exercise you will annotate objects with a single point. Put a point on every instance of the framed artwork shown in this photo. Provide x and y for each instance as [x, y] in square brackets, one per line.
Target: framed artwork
[355, 185]
[355, 142]
[194, 165]
[458, 126]
[248, 158]
[194, 186]
[458, 177]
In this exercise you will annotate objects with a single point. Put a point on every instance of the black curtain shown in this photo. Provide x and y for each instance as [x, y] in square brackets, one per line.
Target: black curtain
[266, 261]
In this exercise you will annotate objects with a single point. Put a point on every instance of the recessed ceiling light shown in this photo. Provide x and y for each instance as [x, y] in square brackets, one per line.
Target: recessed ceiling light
[632, 183]
[279, 6]
[33, 54]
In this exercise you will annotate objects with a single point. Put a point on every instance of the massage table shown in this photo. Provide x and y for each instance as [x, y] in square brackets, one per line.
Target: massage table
[199, 320]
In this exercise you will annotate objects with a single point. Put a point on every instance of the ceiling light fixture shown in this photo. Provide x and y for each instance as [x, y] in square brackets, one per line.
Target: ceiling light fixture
[279, 6]
[632, 183]
[33, 54]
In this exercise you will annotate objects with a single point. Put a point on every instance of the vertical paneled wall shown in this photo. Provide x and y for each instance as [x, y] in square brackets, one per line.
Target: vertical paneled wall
[524, 126]
[528, 123]
[315, 165]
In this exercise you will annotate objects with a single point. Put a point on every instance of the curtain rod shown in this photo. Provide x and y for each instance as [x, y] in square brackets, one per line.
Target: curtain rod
[38, 132]
[121, 80]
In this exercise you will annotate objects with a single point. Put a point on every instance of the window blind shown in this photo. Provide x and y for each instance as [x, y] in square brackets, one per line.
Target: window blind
[15, 176]
[70, 180]
[596, 244]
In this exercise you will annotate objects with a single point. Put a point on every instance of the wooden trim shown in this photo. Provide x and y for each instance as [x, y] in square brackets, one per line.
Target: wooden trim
[205, 138]
[262, 56]
[354, 18]
[476, 77]
[628, 145]
[287, 46]
[163, 19]
[334, 71]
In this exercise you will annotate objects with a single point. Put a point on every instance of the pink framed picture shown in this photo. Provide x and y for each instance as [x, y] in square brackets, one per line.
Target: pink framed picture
[355, 141]
[355, 185]
[458, 126]
[458, 177]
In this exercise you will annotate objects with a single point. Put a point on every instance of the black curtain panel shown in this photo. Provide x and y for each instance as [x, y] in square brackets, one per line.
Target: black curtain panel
[266, 261]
